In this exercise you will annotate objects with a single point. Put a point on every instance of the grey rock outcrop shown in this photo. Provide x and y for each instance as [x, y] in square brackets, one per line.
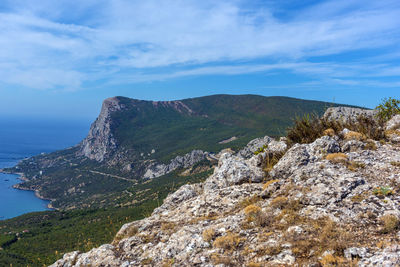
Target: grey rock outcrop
[233, 220]
[254, 145]
[100, 141]
[348, 114]
[156, 170]
[393, 123]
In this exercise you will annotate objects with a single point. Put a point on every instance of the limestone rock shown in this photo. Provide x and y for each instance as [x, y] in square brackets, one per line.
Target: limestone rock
[393, 123]
[347, 114]
[253, 146]
[189, 159]
[232, 219]
[100, 141]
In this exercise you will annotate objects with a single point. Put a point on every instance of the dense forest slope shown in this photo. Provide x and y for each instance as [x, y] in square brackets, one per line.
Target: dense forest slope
[133, 140]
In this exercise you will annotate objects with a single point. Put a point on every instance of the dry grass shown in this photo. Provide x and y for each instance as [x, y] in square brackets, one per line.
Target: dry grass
[395, 163]
[248, 201]
[268, 183]
[254, 264]
[329, 132]
[208, 234]
[390, 223]
[392, 132]
[351, 135]
[279, 202]
[168, 227]
[230, 241]
[147, 261]
[271, 159]
[355, 165]
[331, 260]
[130, 231]
[337, 157]
[255, 215]
[370, 145]
[217, 258]
[358, 198]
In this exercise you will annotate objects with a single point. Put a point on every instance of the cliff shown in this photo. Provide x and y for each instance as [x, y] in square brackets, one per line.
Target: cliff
[331, 202]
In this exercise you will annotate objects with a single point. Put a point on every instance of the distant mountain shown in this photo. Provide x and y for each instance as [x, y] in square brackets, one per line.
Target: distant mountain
[132, 141]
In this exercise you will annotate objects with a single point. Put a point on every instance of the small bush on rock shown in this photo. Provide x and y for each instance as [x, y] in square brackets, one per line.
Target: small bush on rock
[388, 108]
[390, 223]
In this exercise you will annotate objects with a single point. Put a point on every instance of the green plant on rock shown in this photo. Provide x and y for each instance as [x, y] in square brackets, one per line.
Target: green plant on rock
[383, 191]
[388, 108]
[260, 149]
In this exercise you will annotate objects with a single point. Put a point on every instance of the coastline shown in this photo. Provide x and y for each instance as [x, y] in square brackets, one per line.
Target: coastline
[22, 177]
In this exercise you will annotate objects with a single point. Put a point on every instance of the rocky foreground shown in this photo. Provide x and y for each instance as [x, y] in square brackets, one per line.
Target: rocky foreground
[333, 202]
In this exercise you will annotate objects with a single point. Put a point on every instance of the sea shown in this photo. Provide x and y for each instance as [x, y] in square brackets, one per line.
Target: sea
[25, 137]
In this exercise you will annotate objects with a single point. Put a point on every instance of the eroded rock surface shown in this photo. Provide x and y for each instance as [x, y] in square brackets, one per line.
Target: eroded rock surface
[322, 203]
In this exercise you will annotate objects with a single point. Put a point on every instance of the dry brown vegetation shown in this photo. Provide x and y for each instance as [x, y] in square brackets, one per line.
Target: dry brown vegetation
[228, 242]
[208, 234]
[390, 223]
[337, 157]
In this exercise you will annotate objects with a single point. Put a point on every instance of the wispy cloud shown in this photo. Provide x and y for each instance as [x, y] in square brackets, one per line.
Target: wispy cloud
[59, 45]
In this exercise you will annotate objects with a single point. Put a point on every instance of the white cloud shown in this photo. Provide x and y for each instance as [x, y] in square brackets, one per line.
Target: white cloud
[56, 44]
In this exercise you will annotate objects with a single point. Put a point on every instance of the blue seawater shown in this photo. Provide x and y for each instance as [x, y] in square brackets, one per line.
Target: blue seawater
[25, 137]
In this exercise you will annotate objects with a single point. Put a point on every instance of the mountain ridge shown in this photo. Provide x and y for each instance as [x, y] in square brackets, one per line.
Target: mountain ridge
[139, 139]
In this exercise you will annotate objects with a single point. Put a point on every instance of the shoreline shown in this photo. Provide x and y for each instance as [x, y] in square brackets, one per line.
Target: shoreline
[17, 186]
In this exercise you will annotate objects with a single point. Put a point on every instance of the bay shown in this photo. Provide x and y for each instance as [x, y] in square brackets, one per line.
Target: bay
[25, 137]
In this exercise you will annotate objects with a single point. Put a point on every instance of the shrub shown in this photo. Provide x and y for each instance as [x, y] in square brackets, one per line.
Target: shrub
[308, 128]
[229, 241]
[390, 223]
[388, 108]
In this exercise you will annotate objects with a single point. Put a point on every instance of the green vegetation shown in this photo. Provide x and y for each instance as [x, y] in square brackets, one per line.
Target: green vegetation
[383, 191]
[388, 108]
[54, 233]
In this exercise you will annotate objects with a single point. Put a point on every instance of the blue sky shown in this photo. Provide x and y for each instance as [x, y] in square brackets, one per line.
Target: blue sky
[62, 58]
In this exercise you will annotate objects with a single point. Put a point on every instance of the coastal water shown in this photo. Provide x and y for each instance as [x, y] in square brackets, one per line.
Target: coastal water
[26, 137]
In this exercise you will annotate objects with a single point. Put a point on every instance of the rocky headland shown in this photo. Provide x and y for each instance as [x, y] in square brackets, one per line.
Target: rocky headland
[333, 201]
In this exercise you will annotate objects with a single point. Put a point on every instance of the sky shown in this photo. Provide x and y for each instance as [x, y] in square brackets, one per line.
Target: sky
[63, 58]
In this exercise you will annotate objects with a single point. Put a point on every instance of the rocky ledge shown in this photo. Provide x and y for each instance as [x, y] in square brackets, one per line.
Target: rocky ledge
[333, 202]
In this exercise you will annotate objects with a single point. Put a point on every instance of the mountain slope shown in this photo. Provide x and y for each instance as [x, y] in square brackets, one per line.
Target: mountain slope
[331, 202]
[133, 140]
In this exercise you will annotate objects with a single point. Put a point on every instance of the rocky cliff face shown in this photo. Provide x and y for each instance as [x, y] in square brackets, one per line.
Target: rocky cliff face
[100, 142]
[333, 202]
[156, 170]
